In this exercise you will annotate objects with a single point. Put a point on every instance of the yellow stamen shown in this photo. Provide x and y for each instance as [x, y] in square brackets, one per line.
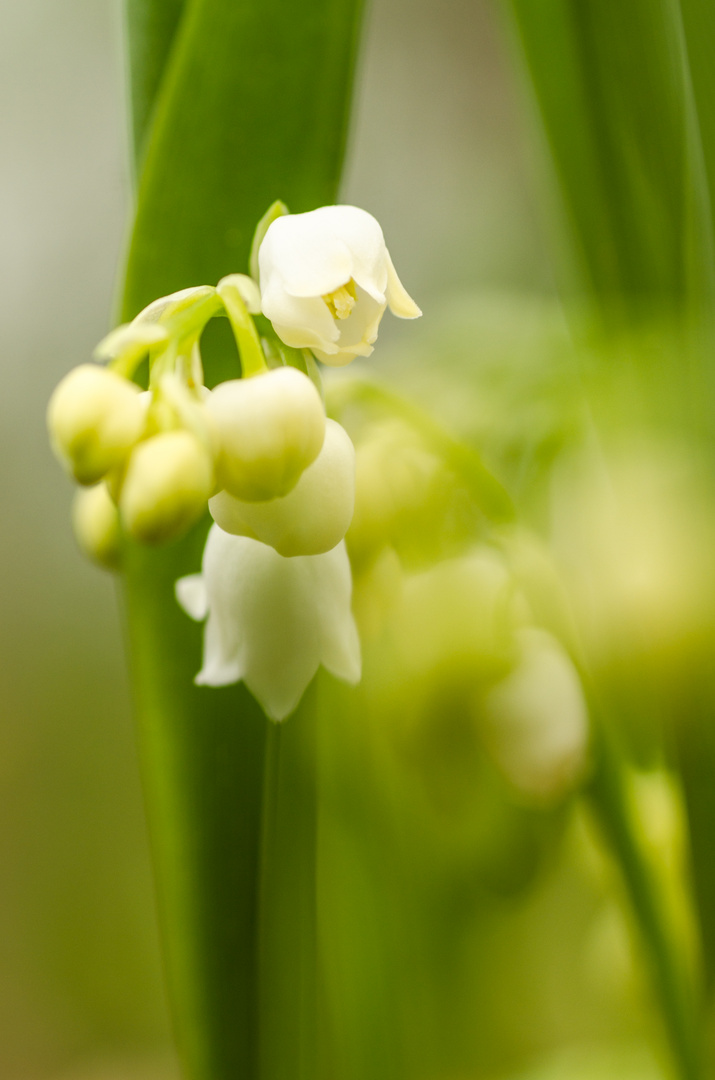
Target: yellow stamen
[342, 300]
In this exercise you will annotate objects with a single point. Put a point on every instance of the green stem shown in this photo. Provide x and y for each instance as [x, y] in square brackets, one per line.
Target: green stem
[253, 361]
[202, 763]
[287, 933]
[489, 493]
[674, 985]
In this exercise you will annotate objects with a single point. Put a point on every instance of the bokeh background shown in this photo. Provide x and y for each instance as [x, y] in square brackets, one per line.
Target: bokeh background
[445, 152]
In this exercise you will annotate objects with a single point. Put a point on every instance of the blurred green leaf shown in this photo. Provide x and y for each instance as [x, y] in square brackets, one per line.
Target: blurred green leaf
[611, 81]
[699, 25]
[695, 735]
[627, 97]
[248, 103]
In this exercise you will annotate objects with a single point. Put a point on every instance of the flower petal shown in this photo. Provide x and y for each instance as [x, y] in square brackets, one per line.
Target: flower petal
[192, 596]
[313, 517]
[399, 300]
[300, 323]
[272, 620]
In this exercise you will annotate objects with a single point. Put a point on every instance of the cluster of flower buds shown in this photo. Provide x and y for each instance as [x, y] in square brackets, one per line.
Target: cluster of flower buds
[258, 450]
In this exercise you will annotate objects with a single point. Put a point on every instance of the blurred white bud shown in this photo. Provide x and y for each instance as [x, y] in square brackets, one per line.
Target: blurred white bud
[326, 278]
[271, 621]
[633, 534]
[313, 517]
[455, 622]
[535, 721]
[398, 484]
[269, 429]
[165, 487]
[95, 519]
[94, 418]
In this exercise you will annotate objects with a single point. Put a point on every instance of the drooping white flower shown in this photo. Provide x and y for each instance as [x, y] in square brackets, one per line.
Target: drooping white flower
[326, 278]
[313, 517]
[271, 621]
[535, 721]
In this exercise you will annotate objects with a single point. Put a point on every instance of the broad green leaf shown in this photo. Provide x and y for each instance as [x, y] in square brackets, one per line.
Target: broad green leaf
[696, 735]
[612, 87]
[151, 29]
[202, 767]
[251, 105]
[286, 939]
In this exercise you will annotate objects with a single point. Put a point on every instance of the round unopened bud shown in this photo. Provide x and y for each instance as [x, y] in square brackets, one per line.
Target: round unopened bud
[165, 487]
[94, 418]
[313, 517]
[270, 428]
[96, 526]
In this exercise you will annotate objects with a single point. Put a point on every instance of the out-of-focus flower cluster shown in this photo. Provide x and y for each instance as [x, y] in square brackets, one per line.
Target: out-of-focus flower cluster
[452, 639]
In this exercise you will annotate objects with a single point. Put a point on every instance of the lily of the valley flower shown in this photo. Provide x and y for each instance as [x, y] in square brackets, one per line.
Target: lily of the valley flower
[535, 720]
[271, 621]
[310, 519]
[326, 278]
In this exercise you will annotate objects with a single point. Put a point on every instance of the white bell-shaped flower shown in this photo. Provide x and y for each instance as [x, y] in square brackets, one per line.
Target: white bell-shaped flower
[269, 428]
[271, 621]
[326, 278]
[313, 517]
[536, 720]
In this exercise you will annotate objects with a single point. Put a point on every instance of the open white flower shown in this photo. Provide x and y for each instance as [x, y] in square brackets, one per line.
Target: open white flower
[271, 621]
[326, 278]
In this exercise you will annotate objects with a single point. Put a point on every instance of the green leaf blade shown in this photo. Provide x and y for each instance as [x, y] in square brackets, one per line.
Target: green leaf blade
[250, 105]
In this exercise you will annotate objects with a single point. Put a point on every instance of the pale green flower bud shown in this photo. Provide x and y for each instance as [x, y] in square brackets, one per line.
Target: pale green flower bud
[399, 485]
[270, 428]
[313, 517]
[165, 487]
[96, 526]
[94, 418]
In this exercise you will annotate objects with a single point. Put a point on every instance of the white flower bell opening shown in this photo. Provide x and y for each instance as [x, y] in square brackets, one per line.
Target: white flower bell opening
[326, 279]
[271, 621]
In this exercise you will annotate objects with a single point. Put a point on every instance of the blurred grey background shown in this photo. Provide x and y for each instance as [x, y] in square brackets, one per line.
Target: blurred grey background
[438, 155]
